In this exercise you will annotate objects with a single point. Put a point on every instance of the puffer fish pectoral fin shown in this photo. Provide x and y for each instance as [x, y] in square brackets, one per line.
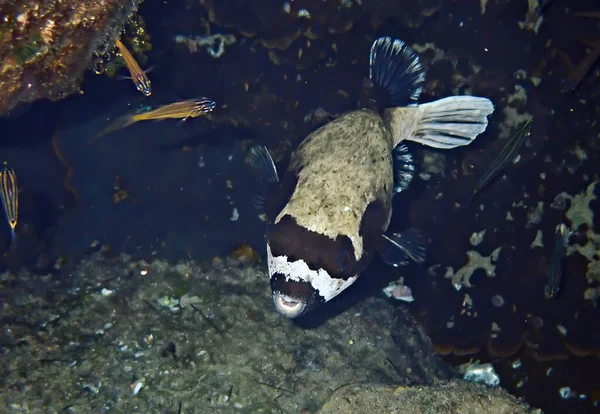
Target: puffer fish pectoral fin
[446, 123]
[396, 69]
[261, 159]
[404, 168]
[398, 246]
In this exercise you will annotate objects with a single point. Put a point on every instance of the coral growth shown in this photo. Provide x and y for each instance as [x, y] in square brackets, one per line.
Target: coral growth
[46, 46]
[302, 33]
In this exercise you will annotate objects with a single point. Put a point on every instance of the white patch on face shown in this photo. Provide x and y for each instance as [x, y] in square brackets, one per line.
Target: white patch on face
[328, 287]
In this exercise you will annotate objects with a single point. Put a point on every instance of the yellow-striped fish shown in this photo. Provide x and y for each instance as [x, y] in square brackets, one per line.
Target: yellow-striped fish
[183, 110]
[138, 76]
[10, 199]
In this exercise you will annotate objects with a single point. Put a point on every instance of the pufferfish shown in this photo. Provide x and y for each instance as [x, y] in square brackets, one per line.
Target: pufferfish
[328, 215]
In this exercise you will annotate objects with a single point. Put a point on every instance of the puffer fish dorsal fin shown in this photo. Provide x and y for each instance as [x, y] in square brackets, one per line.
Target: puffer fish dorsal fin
[404, 169]
[261, 159]
[399, 246]
[396, 68]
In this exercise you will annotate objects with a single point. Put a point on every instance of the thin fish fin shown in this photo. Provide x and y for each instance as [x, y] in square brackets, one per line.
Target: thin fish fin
[118, 124]
[180, 122]
[396, 69]
[508, 154]
[593, 43]
[404, 168]
[263, 162]
[150, 69]
[13, 240]
[566, 60]
[447, 123]
[397, 247]
[469, 199]
[592, 14]
[123, 77]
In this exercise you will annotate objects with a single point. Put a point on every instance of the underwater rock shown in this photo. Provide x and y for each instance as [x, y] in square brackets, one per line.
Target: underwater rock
[301, 34]
[132, 336]
[215, 44]
[450, 397]
[46, 46]
[243, 254]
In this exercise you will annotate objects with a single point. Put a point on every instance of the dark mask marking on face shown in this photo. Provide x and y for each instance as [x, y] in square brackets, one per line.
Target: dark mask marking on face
[279, 194]
[371, 229]
[316, 250]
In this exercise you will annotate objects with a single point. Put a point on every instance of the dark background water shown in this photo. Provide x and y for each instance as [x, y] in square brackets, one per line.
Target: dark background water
[177, 209]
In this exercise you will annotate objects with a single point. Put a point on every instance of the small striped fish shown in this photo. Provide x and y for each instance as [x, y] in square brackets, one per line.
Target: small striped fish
[561, 238]
[183, 110]
[10, 198]
[508, 154]
[138, 76]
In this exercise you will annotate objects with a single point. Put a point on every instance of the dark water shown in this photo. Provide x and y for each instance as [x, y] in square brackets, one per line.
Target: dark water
[177, 209]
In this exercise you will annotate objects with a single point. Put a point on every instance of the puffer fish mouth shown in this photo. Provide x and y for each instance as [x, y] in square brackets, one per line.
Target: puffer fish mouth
[287, 305]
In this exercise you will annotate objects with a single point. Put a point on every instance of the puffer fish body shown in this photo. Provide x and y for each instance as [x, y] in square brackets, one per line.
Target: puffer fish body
[342, 168]
[329, 214]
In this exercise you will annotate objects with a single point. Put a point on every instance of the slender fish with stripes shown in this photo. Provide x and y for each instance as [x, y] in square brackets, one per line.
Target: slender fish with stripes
[10, 199]
[138, 76]
[182, 110]
[508, 154]
[561, 238]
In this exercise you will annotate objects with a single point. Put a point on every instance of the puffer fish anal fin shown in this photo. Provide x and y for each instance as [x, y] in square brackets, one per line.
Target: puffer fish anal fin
[396, 70]
[261, 159]
[404, 168]
[397, 247]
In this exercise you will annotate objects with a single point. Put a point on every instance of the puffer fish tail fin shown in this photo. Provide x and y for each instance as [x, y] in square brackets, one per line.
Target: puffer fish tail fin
[446, 123]
[395, 72]
[397, 247]
[261, 159]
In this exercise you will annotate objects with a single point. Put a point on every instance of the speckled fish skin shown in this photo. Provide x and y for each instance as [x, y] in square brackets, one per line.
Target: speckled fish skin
[342, 167]
[316, 247]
